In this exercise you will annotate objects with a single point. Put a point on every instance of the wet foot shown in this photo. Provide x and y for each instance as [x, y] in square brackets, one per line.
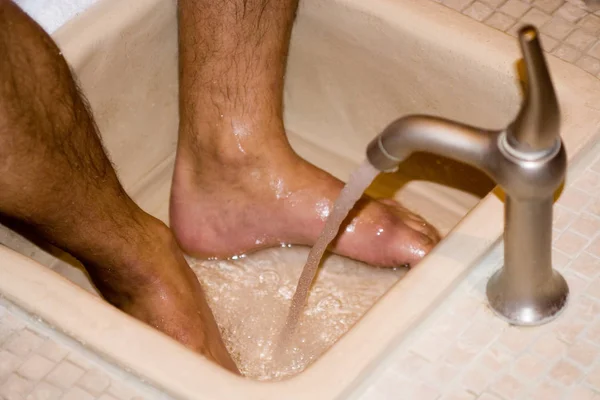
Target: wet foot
[225, 204]
[159, 288]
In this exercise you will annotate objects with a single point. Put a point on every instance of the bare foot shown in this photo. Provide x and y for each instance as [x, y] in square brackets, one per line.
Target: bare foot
[159, 288]
[232, 203]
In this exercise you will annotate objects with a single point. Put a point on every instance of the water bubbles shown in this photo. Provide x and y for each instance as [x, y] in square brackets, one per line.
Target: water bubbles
[329, 302]
[269, 277]
[323, 208]
[286, 292]
[250, 296]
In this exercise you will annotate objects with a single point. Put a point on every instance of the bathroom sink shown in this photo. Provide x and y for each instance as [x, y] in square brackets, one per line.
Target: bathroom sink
[354, 66]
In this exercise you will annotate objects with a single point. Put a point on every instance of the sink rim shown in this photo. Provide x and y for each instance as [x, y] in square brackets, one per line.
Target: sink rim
[171, 367]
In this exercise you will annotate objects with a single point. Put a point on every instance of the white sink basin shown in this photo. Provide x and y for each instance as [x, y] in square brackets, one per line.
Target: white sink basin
[354, 67]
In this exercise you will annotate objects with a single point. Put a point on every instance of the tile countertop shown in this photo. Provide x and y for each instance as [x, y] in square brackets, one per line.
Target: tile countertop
[461, 351]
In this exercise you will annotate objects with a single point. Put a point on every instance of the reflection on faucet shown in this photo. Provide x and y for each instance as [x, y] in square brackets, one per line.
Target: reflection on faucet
[528, 160]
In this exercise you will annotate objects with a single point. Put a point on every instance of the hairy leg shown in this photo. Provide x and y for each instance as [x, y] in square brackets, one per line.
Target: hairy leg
[238, 186]
[55, 177]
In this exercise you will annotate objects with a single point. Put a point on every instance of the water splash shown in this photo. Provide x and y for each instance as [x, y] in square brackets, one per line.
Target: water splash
[359, 180]
[251, 297]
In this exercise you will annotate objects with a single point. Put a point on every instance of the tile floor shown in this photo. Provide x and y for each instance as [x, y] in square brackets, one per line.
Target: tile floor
[35, 366]
[569, 29]
[463, 351]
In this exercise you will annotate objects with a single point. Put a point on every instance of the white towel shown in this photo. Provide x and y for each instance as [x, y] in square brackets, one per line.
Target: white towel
[52, 14]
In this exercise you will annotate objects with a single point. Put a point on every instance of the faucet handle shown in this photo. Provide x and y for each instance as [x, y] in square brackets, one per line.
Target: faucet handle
[536, 128]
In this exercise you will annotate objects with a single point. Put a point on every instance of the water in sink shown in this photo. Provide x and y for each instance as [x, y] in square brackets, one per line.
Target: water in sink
[250, 297]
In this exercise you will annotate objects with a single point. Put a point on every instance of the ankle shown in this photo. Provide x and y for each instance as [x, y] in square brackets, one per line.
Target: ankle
[212, 145]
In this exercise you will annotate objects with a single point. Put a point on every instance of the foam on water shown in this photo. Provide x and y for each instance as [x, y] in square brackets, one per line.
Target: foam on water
[251, 296]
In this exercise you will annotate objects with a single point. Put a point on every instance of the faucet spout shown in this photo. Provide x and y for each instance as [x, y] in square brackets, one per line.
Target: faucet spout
[447, 138]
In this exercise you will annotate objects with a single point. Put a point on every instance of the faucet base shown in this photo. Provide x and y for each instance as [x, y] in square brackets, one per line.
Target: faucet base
[533, 307]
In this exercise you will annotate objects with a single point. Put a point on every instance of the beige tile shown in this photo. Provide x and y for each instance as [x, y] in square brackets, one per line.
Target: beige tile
[593, 289]
[583, 353]
[529, 367]
[94, 381]
[546, 391]
[587, 224]
[52, 350]
[586, 308]
[496, 358]
[76, 393]
[593, 334]
[107, 397]
[35, 367]
[558, 28]
[79, 359]
[567, 53]
[582, 393]
[565, 372]
[593, 377]
[409, 364]
[548, 347]
[457, 5]
[574, 199]
[589, 181]
[571, 12]
[422, 391]
[559, 259]
[460, 354]
[440, 374]
[517, 339]
[577, 284]
[594, 247]
[479, 334]
[596, 166]
[589, 64]
[568, 330]
[15, 388]
[562, 217]
[22, 342]
[458, 394]
[488, 396]
[507, 387]
[45, 391]
[8, 364]
[548, 6]
[580, 39]
[500, 21]
[476, 379]
[570, 243]
[515, 8]
[594, 207]
[590, 23]
[65, 375]
[478, 11]
[493, 3]
[430, 347]
[594, 51]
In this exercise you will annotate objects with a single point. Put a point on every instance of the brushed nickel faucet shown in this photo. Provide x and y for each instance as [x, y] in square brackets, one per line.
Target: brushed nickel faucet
[528, 161]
